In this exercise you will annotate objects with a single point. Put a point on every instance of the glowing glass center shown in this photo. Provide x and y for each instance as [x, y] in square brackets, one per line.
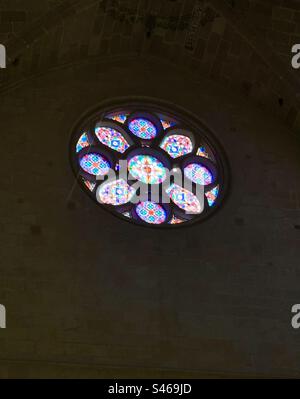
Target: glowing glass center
[147, 169]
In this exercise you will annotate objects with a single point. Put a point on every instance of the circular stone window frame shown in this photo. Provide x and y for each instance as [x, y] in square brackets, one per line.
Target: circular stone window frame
[187, 123]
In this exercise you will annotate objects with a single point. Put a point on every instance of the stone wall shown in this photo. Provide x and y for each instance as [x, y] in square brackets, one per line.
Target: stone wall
[89, 295]
[208, 37]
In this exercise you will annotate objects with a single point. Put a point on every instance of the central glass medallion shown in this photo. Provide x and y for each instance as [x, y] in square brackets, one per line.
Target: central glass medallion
[147, 169]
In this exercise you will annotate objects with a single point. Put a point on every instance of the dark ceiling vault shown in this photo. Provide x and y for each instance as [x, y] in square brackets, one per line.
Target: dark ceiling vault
[224, 40]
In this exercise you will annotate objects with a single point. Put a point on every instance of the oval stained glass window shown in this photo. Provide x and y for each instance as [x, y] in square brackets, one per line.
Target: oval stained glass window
[112, 139]
[117, 192]
[143, 128]
[151, 212]
[198, 174]
[147, 169]
[184, 199]
[156, 163]
[95, 164]
[177, 145]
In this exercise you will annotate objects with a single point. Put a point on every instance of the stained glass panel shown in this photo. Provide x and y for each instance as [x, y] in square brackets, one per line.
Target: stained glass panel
[177, 145]
[175, 220]
[147, 169]
[118, 117]
[127, 214]
[115, 193]
[112, 138]
[184, 199]
[82, 142]
[166, 123]
[199, 174]
[143, 128]
[201, 152]
[89, 185]
[212, 196]
[154, 145]
[151, 213]
[95, 164]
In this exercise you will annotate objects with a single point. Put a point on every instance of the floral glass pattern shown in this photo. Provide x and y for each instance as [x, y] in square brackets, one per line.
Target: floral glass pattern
[177, 145]
[116, 193]
[198, 174]
[151, 213]
[95, 164]
[122, 157]
[143, 128]
[184, 199]
[112, 138]
[147, 169]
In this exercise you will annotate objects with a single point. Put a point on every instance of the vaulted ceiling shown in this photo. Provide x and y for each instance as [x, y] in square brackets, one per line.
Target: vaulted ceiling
[245, 44]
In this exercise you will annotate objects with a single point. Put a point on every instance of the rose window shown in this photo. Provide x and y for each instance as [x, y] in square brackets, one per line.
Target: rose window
[149, 165]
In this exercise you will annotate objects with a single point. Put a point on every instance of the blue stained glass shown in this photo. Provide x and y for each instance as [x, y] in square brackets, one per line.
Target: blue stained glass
[82, 142]
[149, 151]
[151, 212]
[143, 128]
[177, 145]
[118, 117]
[115, 193]
[112, 138]
[184, 199]
[212, 196]
[95, 164]
[201, 152]
[199, 174]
